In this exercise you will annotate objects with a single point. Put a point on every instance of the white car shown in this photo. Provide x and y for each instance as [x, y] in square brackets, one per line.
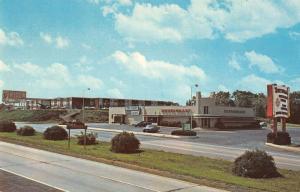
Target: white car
[151, 129]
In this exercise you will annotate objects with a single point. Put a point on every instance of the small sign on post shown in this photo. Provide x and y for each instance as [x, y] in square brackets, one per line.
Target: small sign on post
[186, 127]
[76, 125]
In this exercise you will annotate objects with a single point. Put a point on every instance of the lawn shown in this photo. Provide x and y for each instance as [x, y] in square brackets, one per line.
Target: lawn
[201, 170]
[293, 125]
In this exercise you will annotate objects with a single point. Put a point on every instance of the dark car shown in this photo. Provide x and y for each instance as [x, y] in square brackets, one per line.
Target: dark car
[151, 129]
[142, 124]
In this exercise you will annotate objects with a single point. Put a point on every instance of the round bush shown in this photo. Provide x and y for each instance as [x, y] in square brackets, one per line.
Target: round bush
[90, 139]
[26, 131]
[184, 132]
[125, 143]
[255, 164]
[282, 138]
[55, 133]
[7, 126]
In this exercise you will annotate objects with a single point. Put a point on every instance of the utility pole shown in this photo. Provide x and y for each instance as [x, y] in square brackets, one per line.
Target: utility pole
[83, 104]
[196, 85]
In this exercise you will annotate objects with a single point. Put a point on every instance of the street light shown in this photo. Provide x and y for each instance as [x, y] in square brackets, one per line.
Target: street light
[196, 85]
[88, 89]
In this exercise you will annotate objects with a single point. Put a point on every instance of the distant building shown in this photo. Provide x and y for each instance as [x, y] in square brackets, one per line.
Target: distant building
[205, 114]
[18, 99]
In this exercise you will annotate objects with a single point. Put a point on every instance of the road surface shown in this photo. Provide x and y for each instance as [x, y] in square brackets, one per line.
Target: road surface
[215, 144]
[72, 174]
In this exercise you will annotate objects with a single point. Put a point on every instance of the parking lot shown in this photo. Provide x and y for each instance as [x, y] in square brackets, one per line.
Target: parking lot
[233, 138]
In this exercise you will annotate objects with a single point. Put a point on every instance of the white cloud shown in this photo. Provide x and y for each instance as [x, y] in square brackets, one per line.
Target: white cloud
[86, 46]
[54, 76]
[155, 69]
[115, 93]
[167, 22]
[294, 35]
[61, 42]
[207, 19]
[263, 62]
[117, 82]
[108, 9]
[84, 64]
[125, 2]
[96, 2]
[1, 83]
[4, 67]
[234, 63]
[46, 37]
[29, 68]
[90, 81]
[10, 38]
[254, 83]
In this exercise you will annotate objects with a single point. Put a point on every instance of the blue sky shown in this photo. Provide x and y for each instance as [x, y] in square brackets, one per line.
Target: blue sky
[148, 49]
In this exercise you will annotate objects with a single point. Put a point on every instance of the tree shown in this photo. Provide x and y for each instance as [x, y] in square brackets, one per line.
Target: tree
[191, 102]
[295, 107]
[221, 98]
[243, 98]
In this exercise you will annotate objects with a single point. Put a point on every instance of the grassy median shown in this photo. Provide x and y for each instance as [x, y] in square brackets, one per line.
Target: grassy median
[201, 170]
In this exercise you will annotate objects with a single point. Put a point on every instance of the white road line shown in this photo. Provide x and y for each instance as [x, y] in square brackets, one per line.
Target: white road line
[20, 175]
[190, 150]
[53, 163]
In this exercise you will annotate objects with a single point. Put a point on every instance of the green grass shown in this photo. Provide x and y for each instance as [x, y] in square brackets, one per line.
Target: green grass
[293, 125]
[51, 115]
[31, 115]
[201, 170]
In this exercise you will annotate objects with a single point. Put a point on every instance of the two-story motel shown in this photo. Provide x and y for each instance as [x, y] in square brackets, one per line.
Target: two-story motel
[205, 114]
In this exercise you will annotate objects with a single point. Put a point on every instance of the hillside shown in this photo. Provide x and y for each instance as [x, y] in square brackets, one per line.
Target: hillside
[52, 115]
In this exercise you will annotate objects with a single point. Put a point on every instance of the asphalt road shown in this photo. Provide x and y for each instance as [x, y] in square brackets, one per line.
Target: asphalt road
[11, 182]
[73, 174]
[215, 144]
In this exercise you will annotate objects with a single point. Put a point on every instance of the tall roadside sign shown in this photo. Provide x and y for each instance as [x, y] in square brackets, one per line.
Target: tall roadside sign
[278, 105]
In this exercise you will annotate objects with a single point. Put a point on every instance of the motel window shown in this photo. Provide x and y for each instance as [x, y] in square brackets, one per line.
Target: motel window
[205, 110]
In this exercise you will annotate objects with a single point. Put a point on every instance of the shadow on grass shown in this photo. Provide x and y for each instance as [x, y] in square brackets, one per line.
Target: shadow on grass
[131, 152]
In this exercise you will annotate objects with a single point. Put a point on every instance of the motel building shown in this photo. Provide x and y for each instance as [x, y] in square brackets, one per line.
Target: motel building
[205, 114]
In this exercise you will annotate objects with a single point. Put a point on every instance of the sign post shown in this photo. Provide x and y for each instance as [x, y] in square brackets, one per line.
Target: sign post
[76, 125]
[278, 106]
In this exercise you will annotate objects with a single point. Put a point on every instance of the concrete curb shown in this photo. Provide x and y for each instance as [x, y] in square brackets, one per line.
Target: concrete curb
[288, 148]
[142, 133]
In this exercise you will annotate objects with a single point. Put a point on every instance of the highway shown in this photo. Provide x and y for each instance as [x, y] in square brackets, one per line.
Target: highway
[215, 144]
[72, 174]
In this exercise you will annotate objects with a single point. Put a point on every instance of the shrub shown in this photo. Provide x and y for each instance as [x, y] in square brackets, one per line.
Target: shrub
[184, 132]
[55, 133]
[26, 131]
[125, 143]
[90, 139]
[170, 123]
[282, 138]
[253, 125]
[7, 126]
[255, 164]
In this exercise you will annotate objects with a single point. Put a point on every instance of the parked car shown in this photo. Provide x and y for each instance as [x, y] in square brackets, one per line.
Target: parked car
[263, 124]
[151, 129]
[143, 124]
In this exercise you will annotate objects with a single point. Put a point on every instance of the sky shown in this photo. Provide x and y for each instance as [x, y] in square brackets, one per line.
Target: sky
[148, 49]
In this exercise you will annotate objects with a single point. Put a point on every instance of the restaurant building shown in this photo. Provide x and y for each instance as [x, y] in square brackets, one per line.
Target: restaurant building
[205, 114]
